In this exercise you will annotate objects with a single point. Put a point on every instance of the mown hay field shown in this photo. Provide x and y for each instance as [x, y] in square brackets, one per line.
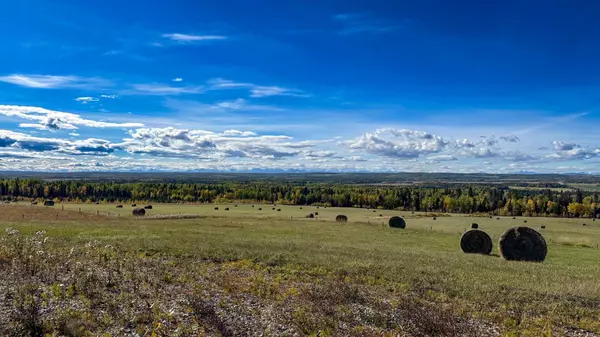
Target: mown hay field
[289, 255]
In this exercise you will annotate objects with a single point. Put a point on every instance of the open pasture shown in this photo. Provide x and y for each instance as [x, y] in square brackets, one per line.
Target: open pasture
[423, 261]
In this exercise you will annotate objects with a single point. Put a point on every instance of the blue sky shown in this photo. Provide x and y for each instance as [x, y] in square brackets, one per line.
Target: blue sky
[440, 86]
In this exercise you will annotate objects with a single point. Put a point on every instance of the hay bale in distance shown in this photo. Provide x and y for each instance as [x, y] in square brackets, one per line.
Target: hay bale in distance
[543, 227]
[260, 209]
[434, 218]
[474, 226]
[49, 203]
[476, 241]
[316, 213]
[138, 212]
[119, 206]
[234, 205]
[300, 207]
[374, 211]
[273, 208]
[134, 205]
[584, 225]
[524, 221]
[380, 215]
[226, 208]
[216, 208]
[279, 210]
[514, 217]
[310, 215]
[523, 244]
[397, 222]
[148, 207]
[498, 218]
[341, 218]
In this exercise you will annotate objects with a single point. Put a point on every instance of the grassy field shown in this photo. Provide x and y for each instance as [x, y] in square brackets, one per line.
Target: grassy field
[277, 272]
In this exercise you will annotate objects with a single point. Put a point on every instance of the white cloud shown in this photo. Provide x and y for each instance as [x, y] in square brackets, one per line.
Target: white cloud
[160, 89]
[54, 82]
[55, 120]
[86, 99]
[90, 146]
[177, 79]
[254, 89]
[397, 143]
[109, 96]
[193, 38]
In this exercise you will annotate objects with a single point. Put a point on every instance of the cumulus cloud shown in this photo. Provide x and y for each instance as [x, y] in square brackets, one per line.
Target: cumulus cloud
[254, 89]
[187, 38]
[109, 96]
[172, 142]
[177, 79]
[56, 120]
[90, 146]
[572, 151]
[54, 82]
[564, 146]
[397, 143]
[510, 139]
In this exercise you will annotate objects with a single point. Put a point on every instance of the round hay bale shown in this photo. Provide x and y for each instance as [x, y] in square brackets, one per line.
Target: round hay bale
[317, 207]
[498, 218]
[341, 218]
[134, 205]
[273, 208]
[226, 208]
[380, 215]
[474, 226]
[119, 206]
[523, 244]
[252, 205]
[300, 207]
[543, 227]
[374, 211]
[310, 215]
[434, 218]
[316, 213]
[279, 210]
[524, 221]
[397, 222]
[216, 208]
[260, 209]
[234, 205]
[97, 202]
[148, 207]
[476, 241]
[139, 212]
[584, 224]
[514, 217]
[594, 219]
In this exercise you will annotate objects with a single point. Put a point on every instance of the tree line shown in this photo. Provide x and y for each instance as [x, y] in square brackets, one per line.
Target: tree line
[464, 199]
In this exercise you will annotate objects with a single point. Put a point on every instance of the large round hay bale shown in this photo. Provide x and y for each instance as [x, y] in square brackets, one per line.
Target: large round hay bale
[476, 241]
[310, 215]
[119, 206]
[474, 226]
[397, 222]
[434, 218]
[148, 207]
[279, 210]
[226, 208]
[543, 227]
[341, 218]
[260, 209]
[316, 213]
[134, 205]
[216, 208]
[139, 212]
[523, 244]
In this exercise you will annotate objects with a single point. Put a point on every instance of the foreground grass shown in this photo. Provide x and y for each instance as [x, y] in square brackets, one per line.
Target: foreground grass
[299, 277]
